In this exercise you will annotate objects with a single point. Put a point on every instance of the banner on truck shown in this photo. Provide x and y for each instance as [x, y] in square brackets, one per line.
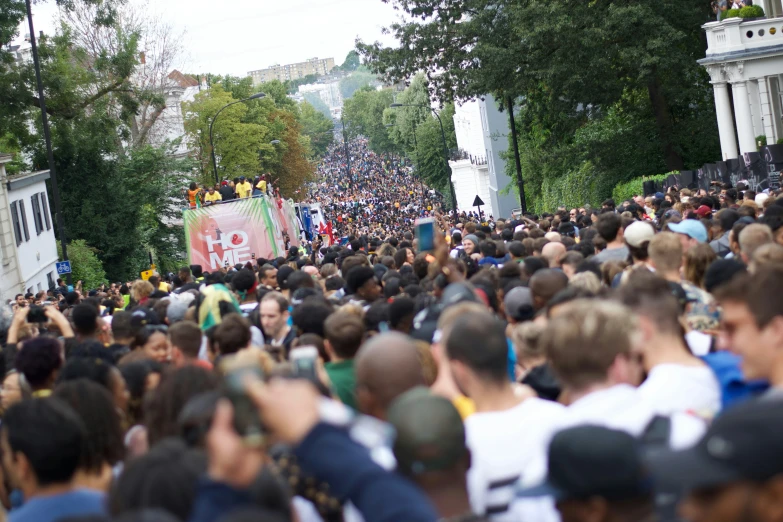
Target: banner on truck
[230, 233]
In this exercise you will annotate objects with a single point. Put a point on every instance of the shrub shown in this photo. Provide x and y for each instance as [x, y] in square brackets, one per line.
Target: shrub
[84, 263]
[751, 11]
[635, 187]
[780, 141]
[761, 141]
[730, 13]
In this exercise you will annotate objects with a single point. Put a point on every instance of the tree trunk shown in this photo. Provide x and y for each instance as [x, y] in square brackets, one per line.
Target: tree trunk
[663, 120]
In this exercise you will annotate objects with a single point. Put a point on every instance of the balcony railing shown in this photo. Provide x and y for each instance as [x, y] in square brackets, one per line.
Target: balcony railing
[735, 35]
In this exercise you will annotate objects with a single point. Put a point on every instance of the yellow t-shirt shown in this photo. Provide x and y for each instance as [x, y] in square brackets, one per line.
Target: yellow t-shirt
[465, 406]
[213, 197]
[261, 186]
[244, 189]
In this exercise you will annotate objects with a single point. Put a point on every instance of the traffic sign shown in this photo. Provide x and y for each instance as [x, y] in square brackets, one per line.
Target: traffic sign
[145, 275]
[63, 267]
[478, 202]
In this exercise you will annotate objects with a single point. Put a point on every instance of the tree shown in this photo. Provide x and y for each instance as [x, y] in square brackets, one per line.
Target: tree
[611, 87]
[85, 265]
[296, 170]
[318, 104]
[364, 116]
[356, 81]
[351, 62]
[317, 127]
[237, 144]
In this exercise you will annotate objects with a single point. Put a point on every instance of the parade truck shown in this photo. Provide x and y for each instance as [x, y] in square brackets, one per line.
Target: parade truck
[241, 230]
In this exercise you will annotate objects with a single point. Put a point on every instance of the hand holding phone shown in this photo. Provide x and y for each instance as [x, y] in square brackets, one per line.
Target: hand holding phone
[247, 419]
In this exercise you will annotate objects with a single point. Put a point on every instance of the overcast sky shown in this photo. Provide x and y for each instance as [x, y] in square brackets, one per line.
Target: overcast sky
[237, 36]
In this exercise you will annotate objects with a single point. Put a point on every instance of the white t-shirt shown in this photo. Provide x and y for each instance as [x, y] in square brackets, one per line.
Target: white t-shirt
[620, 407]
[677, 388]
[502, 446]
[699, 342]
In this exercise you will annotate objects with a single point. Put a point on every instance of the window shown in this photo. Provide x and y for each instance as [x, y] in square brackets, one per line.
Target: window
[39, 287]
[23, 219]
[37, 213]
[50, 280]
[17, 226]
[45, 210]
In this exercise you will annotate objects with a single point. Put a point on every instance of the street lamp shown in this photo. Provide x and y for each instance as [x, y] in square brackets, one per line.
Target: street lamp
[47, 137]
[211, 143]
[445, 147]
[274, 142]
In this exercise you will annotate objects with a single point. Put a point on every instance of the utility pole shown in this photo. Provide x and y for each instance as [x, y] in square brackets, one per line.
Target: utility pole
[47, 139]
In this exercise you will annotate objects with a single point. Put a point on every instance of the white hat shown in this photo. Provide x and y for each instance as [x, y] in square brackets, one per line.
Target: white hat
[761, 198]
[638, 232]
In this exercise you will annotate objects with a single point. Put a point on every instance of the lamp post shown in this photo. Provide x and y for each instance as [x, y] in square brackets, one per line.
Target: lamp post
[347, 154]
[211, 143]
[445, 149]
[47, 138]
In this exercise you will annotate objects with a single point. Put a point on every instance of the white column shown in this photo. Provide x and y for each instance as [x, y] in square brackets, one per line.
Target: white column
[728, 143]
[766, 111]
[747, 141]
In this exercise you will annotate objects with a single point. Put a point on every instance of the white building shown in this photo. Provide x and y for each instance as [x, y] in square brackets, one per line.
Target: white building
[170, 124]
[745, 63]
[28, 251]
[482, 136]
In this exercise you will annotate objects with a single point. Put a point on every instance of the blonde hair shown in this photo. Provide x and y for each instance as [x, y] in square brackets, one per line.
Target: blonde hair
[526, 339]
[665, 251]
[607, 328]
[697, 260]
[586, 281]
[770, 254]
[141, 289]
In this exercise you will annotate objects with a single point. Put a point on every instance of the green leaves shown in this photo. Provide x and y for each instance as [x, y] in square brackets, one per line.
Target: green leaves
[85, 265]
[318, 127]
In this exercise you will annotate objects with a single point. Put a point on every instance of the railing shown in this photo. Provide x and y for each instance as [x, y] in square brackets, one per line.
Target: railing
[461, 155]
[736, 34]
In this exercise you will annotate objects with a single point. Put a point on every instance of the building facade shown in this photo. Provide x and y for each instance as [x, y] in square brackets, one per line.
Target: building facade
[328, 92]
[28, 250]
[478, 169]
[293, 71]
[745, 62]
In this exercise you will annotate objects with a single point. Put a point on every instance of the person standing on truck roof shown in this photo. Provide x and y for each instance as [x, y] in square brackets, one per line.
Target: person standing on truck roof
[226, 191]
[244, 188]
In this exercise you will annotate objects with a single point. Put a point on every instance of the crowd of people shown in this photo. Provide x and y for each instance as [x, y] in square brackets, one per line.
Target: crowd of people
[585, 365]
[199, 195]
[378, 197]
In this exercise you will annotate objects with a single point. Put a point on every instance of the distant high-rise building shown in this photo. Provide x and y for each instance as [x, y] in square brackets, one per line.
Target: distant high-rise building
[293, 71]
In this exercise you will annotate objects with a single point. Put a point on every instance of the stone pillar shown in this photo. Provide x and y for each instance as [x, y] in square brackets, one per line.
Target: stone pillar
[728, 143]
[747, 141]
[766, 111]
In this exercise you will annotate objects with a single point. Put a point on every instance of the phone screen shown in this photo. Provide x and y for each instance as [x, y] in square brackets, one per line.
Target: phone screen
[425, 233]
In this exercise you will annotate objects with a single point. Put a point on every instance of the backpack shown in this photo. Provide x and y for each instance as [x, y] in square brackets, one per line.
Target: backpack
[655, 438]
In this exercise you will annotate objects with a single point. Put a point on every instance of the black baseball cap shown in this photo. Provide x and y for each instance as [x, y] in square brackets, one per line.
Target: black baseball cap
[593, 461]
[744, 443]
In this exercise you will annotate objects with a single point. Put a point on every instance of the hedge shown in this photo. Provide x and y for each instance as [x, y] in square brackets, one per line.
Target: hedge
[751, 11]
[635, 187]
[572, 189]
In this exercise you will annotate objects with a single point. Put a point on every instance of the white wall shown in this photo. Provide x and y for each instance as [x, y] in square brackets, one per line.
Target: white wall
[467, 127]
[38, 256]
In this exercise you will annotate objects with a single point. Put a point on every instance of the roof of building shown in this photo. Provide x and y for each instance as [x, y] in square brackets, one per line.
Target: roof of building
[183, 80]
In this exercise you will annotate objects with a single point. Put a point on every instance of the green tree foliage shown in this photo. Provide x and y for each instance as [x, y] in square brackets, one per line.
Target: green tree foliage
[316, 126]
[417, 131]
[318, 104]
[293, 85]
[295, 169]
[237, 141]
[601, 87]
[85, 264]
[356, 81]
[351, 62]
[364, 116]
[107, 177]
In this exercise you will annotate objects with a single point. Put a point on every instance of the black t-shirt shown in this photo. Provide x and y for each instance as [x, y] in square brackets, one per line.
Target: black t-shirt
[226, 193]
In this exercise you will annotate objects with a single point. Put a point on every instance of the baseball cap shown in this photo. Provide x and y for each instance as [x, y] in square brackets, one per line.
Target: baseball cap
[691, 228]
[744, 443]
[518, 303]
[430, 432]
[638, 232]
[593, 461]
[704, 211]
